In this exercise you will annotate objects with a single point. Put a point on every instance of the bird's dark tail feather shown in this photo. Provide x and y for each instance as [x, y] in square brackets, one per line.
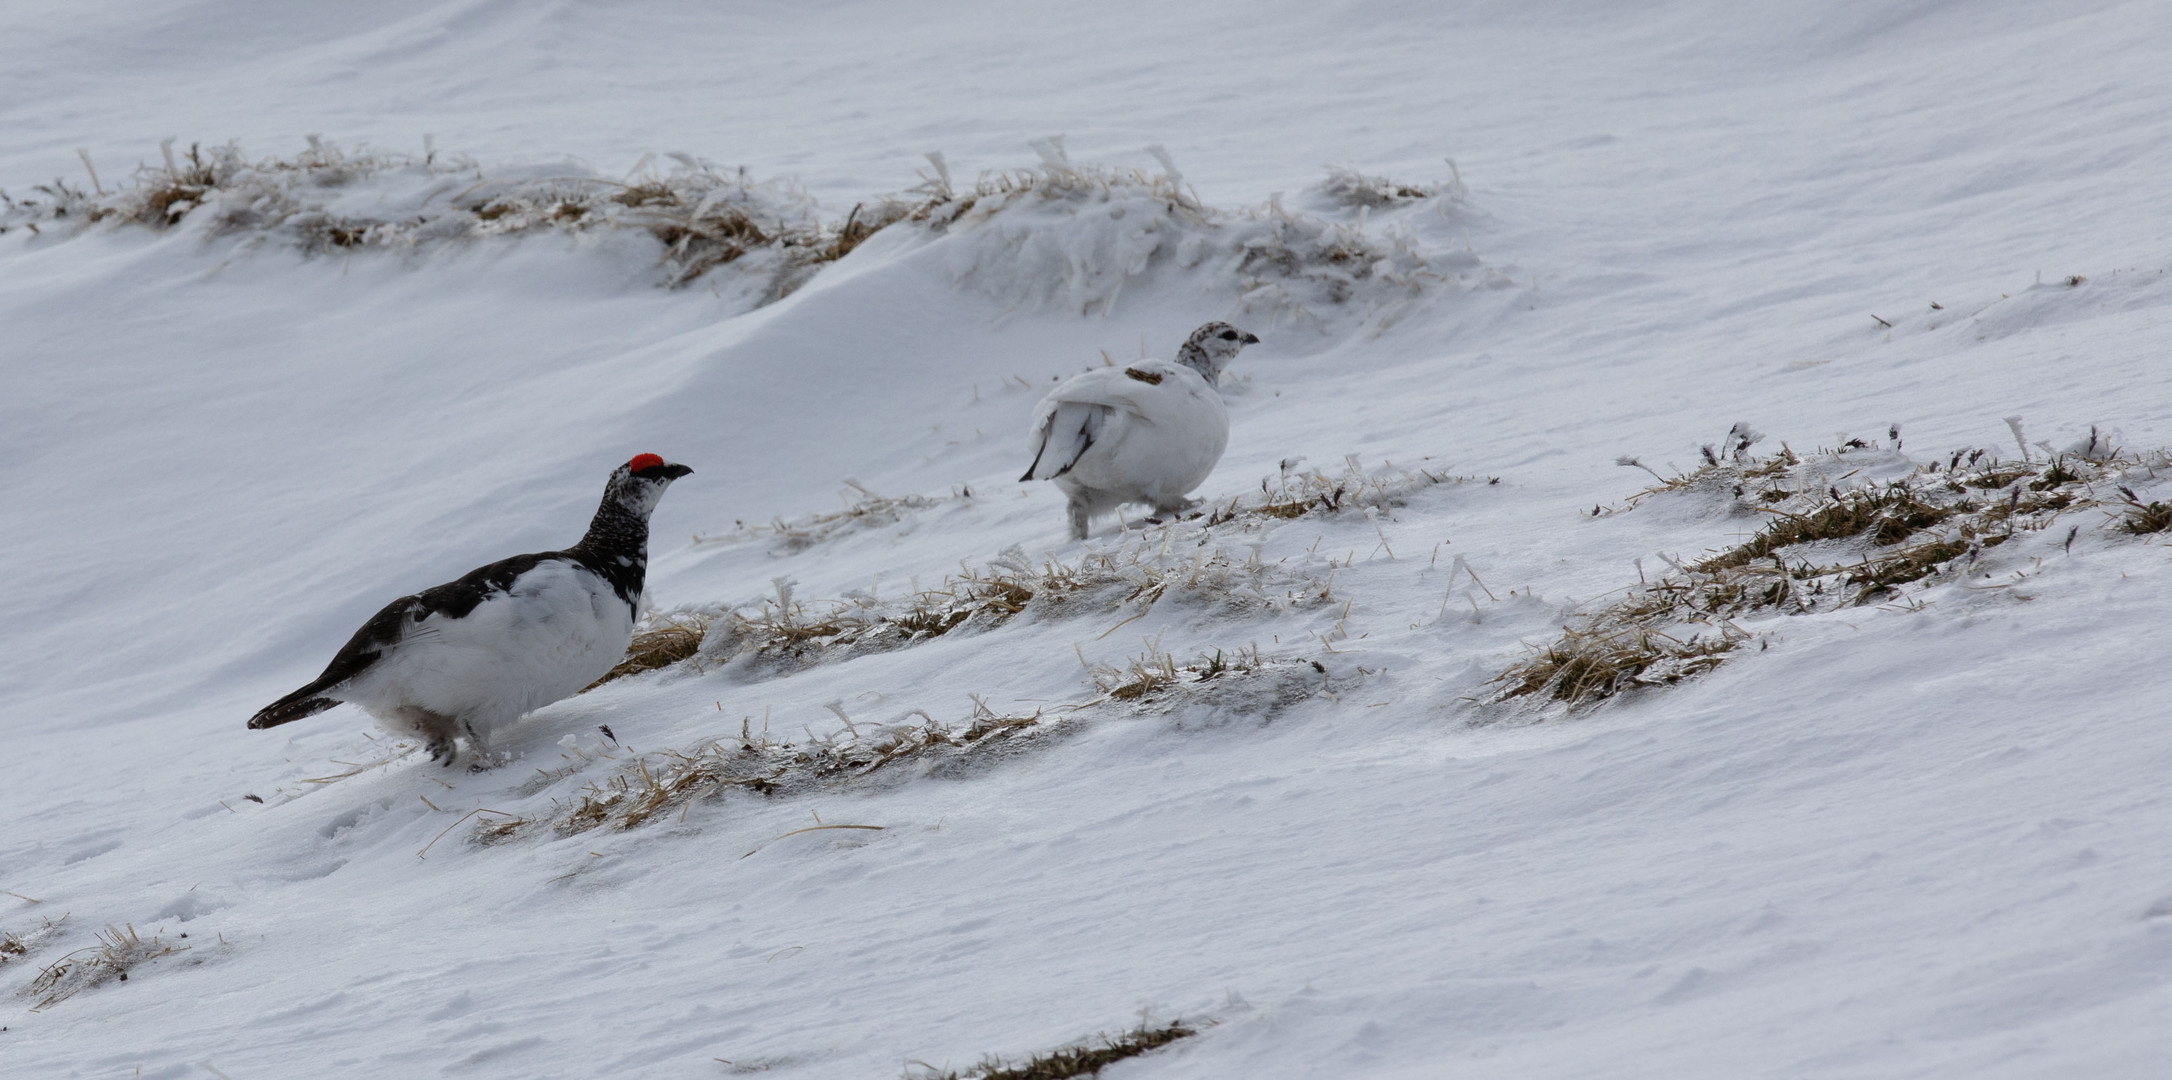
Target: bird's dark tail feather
[292, 707]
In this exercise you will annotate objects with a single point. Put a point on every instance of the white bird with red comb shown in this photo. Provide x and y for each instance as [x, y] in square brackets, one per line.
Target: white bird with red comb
[467, 657]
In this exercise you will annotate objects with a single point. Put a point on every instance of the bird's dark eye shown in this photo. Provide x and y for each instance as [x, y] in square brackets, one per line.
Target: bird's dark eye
[1229, 335]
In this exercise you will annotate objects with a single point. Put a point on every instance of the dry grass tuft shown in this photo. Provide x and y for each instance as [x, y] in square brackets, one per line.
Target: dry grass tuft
[1351, 188]
[1887, 515]
[1155, 672]
[668, 639]
[1087, 1059]
[2142, 518]
[788, 634]
[784, 633]
[654, 784]
[774, 235]
[14, 947]
[1299, 492]
[863, 509]
[1936, 519]
[1596, 662]
[119, 949]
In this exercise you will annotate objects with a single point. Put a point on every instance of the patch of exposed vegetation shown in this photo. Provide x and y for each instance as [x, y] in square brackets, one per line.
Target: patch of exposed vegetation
[2142, 518]
[652, 784]
[1083, 1059]
[1602, 659]
[667, 639]
[1300, 492]
[118, 951]
[1823, 548]
[1157, 675]
[1075, 233]
[785, 632]
[863, 509]
[1354, 189]
[15, 947]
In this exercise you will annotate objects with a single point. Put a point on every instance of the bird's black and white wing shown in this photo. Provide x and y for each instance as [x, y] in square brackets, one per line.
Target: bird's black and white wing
[396, 626]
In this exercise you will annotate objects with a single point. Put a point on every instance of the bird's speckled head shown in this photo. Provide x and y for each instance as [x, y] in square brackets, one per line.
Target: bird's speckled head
[637, 486]
[1211, 348]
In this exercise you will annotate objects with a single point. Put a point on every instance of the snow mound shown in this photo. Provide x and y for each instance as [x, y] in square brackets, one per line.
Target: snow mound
[1059, 236]
[1072, 237]
[328, 199]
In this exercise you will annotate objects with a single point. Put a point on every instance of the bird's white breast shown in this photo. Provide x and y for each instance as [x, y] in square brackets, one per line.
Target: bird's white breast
[558, 629]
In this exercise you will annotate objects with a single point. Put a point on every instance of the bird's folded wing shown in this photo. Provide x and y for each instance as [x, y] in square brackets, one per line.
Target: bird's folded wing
[1065, 433]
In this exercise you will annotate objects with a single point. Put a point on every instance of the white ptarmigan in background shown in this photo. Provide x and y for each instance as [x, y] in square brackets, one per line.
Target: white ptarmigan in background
[1147, 433]
[469, 656]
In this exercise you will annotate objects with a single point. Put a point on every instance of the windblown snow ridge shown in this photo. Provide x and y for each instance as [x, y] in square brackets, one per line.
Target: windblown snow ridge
[1058, 235]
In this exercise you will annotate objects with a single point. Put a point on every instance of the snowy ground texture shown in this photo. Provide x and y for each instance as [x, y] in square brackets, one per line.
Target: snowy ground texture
[1918, 837]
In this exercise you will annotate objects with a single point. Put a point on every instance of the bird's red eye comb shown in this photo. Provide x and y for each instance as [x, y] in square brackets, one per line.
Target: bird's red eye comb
[644, 461]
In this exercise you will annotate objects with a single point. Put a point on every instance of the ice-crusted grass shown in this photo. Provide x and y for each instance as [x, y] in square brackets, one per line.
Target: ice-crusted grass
[118, 951]
[653, 784]
[17, 946]
[1349, 187]
[1155, 673]
[1082, 1059]
[1177, 561]
[703, 216]
[1298, 492]
[1901, 523]
[1073, 235]
[785, 633]
[863, 509]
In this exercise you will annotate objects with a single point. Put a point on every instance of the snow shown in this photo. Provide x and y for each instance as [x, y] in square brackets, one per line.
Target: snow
[1915, 839]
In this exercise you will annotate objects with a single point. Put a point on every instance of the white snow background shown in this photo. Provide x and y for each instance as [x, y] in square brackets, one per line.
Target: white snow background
[1920, 840]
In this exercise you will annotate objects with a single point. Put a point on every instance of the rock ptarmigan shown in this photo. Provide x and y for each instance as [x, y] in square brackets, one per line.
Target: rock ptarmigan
[1146, 433]
[472, 655]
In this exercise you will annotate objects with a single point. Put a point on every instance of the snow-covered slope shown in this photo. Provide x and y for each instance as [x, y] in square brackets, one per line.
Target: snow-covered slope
[1916, 838]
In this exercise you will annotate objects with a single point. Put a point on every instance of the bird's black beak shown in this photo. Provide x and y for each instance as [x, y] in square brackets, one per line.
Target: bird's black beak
[673, 472]
[1251, 339]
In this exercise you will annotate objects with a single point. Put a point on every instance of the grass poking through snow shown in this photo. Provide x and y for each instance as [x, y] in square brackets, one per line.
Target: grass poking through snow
[1823, 547]
[1085, 1059]
[651, 785]
[119, 950]
[667, 640]
[775, 236]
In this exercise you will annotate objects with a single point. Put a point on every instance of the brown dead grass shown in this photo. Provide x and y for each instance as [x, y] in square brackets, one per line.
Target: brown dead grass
[1936, 521]
[669, 639]
[657, 783]
[1594, 663]
[1063, 1063]
[1296, 493]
